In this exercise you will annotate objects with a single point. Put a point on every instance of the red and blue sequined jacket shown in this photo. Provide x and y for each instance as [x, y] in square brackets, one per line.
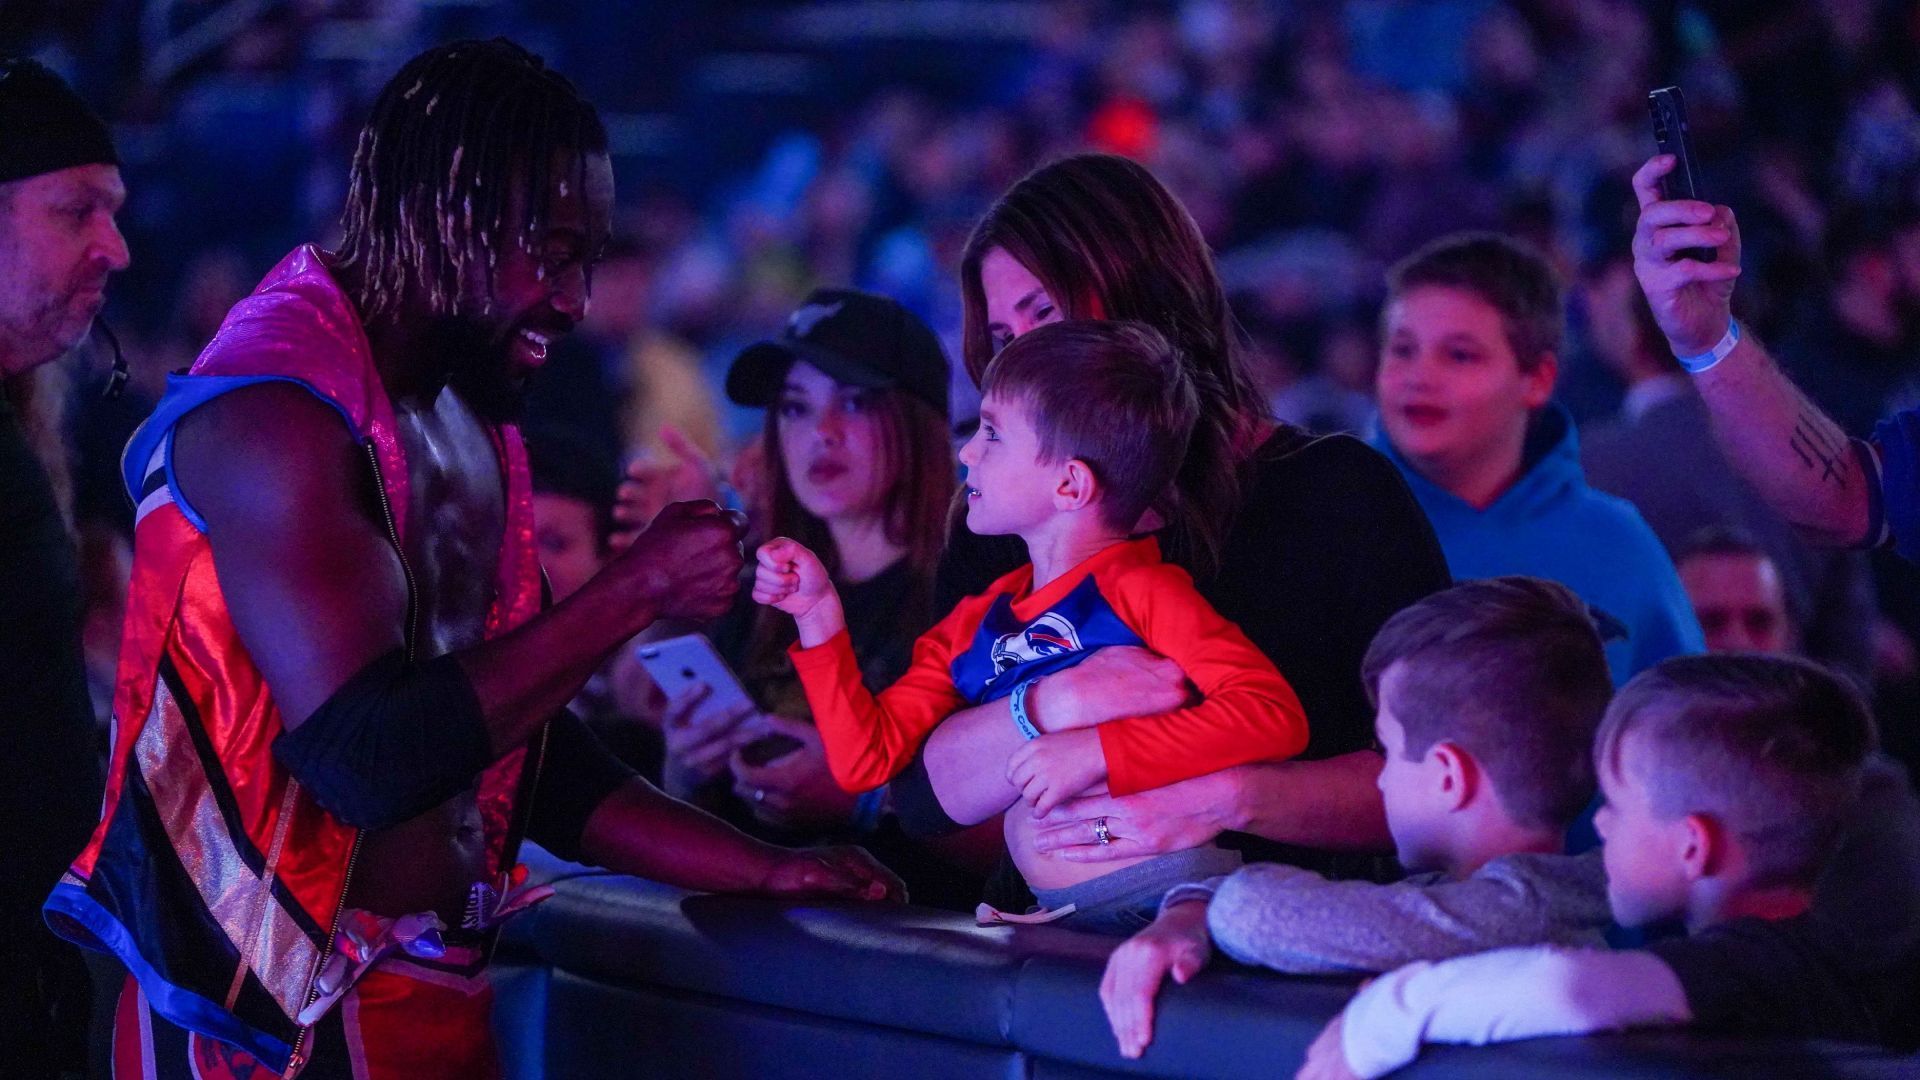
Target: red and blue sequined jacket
[212, 875]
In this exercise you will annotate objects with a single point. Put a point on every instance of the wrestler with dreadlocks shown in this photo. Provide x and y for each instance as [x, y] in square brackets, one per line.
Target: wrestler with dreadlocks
[339, 706]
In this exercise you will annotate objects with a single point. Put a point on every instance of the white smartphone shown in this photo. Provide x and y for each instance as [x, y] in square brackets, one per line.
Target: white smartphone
[677, 664]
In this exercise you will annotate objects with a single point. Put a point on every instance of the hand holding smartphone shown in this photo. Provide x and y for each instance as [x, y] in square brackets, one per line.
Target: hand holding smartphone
[1669, 111]
[680, 666]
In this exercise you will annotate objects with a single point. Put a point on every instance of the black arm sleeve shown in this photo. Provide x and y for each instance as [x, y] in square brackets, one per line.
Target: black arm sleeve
[392, 743]
[577, 774]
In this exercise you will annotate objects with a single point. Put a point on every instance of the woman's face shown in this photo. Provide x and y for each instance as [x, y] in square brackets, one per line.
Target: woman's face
[1016, 301]
[830, 442]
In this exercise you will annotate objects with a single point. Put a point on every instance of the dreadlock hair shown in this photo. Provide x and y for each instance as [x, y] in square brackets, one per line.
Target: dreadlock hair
[436, 161]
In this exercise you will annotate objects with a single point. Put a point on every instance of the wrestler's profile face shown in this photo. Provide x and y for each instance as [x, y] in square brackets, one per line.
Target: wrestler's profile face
[58, 245]
[540, 290]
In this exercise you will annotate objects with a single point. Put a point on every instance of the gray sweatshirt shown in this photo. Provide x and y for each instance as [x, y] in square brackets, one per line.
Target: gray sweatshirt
[1294, 920]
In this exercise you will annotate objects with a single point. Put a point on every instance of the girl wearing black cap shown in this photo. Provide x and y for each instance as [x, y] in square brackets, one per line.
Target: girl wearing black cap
[857, 459]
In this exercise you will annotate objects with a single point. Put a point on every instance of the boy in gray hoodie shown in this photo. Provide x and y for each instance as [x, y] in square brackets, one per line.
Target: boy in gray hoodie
[1487, 697]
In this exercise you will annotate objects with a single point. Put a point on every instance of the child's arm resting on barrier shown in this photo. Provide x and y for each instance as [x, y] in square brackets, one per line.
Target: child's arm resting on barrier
[1506, 995]
[1296, 921]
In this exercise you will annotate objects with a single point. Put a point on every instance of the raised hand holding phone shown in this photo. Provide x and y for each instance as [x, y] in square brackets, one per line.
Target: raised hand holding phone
[791, 578]
[1691, 300]
[682, 665]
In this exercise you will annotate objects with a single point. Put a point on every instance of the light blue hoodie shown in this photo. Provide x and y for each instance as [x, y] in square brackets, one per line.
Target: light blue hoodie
[1550, 524]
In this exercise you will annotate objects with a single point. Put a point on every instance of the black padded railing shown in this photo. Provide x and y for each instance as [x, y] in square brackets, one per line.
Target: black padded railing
[620, 977]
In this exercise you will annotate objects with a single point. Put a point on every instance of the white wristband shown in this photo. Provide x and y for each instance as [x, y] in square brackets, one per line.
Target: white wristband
[1700, 362]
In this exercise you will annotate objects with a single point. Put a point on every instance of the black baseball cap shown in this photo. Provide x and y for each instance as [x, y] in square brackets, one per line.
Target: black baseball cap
[44, 126]
[859, 338]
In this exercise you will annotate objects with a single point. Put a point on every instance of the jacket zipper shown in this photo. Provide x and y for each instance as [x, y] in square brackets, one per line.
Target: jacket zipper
[510, 850]
[298, 1060]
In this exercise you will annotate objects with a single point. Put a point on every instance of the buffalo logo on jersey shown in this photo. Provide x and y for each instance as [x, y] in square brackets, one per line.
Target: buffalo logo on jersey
[1049, 635]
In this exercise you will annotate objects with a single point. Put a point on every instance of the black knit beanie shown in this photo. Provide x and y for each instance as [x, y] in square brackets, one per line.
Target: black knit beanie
[44, 126]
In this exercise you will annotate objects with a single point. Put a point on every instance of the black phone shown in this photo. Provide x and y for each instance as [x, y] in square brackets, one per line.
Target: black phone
[1669, 109]
[769, 748]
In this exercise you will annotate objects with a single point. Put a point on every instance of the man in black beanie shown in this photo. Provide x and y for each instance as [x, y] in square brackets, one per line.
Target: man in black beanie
[59, 189]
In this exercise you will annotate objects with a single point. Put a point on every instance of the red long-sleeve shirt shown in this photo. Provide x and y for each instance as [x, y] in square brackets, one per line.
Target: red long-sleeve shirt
[1124, 595]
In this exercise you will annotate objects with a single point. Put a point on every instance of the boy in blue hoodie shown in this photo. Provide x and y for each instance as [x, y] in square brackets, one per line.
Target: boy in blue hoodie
[1470, 330]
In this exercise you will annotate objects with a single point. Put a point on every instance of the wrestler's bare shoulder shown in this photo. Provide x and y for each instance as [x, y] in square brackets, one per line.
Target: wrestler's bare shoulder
[268, 449]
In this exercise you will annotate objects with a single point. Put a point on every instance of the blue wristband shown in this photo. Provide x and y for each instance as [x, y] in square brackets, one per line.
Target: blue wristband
[868, 808]
[1700, 362]
[1018, 702]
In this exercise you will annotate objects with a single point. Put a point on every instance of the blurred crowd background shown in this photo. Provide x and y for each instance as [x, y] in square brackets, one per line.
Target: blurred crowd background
[764, 148]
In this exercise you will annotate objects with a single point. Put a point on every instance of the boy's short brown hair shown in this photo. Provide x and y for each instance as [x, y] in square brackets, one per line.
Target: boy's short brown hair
[1512, 671]
[1115, 395]
[1509, 274]
[1770, 746]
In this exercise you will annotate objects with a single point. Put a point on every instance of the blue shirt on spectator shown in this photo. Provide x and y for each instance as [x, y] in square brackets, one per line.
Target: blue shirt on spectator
[1551, 525]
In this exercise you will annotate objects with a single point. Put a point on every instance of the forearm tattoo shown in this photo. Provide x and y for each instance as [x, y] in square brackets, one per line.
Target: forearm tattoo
[1820, 447]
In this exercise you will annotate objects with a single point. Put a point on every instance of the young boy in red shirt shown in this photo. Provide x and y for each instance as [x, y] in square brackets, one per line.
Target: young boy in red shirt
[1082, 428]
